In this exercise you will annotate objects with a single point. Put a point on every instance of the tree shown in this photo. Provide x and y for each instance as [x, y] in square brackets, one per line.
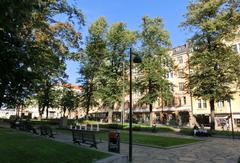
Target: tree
[93, 57]
[31, 36]
[110, 77]
[156, 63]
[213, 64]
[69, 100]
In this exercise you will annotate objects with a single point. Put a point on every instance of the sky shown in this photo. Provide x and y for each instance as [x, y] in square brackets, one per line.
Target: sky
[131, 12]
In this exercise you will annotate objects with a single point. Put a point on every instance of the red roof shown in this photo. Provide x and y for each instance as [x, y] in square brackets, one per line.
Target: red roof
[72, 86]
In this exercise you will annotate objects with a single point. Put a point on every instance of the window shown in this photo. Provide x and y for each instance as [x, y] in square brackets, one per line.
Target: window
[204, 103]
[199, 103]
[179, 59]
[180, 102]
[184, 100]
[238, 122]
[181, 73]
[220, 104]
[171, 74]
[181, 86]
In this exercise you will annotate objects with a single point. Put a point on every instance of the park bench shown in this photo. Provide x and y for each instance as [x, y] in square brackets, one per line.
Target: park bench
[23, 126]
[46, 131]
[85, 137]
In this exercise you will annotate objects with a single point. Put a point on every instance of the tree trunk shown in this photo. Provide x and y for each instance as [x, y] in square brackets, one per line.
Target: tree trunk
[47, 112]
[64, 111]
[40, 114]
[2, 92]
[110, 113]
[151, 115]
[212, 109]
[40, 111]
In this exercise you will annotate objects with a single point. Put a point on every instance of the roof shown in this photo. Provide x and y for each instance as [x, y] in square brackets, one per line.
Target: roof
[77, 87]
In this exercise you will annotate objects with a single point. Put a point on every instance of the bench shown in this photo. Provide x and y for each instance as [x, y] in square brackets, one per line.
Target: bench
[86, 137]
[23, 126]
[46, 131]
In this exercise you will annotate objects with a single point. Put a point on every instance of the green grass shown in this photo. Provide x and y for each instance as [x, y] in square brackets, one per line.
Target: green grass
[152, 140]
[18, 147]
[146, 139]
[137, 127]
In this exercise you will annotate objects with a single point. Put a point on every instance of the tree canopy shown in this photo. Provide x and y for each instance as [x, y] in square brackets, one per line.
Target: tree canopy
[34, 46]
[213, 63]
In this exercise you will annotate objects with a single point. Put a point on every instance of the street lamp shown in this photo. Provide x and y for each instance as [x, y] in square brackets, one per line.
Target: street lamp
[230, 107]
[137, 59]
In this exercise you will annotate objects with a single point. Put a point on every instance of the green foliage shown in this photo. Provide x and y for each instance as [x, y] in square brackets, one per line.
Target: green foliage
[46, 122]
[91, 61]
[156, 63]
[186, 131]
[136, 128]
[34, 46]
[102, 69]
[110, 76]
[69, 101]
[214, 65]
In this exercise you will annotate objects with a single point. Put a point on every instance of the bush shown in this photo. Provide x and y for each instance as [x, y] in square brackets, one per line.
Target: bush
[224, 133]
[112, 126]
[115, 126]
[186, 131]
[46, 122]
[136, 128]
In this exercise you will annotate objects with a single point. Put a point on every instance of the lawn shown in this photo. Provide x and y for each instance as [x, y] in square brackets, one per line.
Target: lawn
[18, 147]
[152, 140]
[146, 139]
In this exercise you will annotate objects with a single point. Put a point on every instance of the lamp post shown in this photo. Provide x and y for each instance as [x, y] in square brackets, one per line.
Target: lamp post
[137, 59]
[230, 107]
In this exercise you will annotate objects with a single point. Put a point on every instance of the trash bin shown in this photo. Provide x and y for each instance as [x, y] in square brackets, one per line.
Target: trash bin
[114, 141]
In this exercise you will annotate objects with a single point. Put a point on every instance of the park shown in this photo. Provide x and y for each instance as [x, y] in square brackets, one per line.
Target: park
[117, 82]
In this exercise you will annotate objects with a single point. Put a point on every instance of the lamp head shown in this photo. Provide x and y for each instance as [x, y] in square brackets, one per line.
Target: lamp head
[137, 59]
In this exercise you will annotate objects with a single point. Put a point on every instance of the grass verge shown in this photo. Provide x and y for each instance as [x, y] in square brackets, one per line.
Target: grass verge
[18, 147]
[146, 139]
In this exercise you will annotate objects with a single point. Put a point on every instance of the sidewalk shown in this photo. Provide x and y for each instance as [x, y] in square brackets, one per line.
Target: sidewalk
[214, 150]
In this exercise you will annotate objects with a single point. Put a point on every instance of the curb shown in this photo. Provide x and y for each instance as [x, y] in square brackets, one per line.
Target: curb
[114, 159]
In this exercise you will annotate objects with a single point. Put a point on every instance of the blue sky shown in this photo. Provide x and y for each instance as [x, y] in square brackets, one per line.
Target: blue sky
[131, 12]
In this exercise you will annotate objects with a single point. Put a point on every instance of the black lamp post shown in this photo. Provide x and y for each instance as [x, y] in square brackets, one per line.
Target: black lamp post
[137, 59]
[230, 107]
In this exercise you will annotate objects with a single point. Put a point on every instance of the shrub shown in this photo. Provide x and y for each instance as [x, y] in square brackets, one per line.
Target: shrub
[46, 122]
[186, 131]
[115, 126]
[136, 128]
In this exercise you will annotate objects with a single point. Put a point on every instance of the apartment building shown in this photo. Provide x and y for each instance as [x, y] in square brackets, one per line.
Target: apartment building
[183, 109]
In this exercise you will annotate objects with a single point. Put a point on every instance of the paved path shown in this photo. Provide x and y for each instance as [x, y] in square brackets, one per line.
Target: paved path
[213, 150]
